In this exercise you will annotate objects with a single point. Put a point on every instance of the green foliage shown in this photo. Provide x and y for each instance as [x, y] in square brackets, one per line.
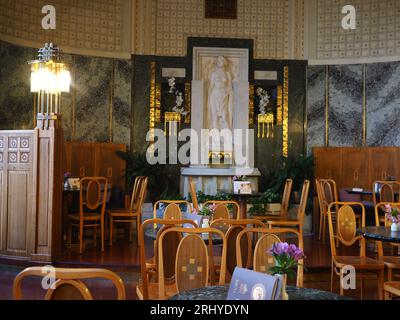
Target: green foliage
[297, 168]
[162, 181]
[202, 197]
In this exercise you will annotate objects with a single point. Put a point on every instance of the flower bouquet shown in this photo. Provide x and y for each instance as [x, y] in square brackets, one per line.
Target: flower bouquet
[393, 215]
[206, 211]
[287, 258]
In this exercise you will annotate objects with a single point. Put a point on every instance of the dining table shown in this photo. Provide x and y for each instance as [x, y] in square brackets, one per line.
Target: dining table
[383, 234]
[221, 293]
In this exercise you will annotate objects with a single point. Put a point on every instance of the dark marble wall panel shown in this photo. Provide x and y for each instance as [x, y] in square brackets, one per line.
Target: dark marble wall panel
[345, 105]
[16, 100]
[315, 107]
[92, 84]
[122, 101]
[383, 104]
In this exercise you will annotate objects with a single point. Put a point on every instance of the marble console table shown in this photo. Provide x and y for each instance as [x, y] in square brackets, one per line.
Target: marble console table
[211, 180]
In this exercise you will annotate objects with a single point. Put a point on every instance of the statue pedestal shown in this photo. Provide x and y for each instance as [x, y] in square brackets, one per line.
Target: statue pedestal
[211, 180]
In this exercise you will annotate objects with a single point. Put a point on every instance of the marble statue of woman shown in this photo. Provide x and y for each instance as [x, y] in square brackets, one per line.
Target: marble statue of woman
[220, 96]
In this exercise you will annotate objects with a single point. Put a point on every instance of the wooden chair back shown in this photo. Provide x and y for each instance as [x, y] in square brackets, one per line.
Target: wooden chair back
[323, 207]
[262, 260]
[93, 195]
[303, 201]
[69, 284]
[169, 249]
[173, 210]
[231, 228]
[346, 226]
[136, 192]
[286, 197]
[387, 191]
[142, 194]
[192, 188]
[192, 260]
[222, 208]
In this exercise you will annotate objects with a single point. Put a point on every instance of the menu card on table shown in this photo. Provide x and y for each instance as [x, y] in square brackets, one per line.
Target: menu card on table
[250, 285]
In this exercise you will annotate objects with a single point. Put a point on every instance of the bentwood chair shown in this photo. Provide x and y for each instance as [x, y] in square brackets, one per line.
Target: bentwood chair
[346, 234]
[130, 212]
[193, 194]
[392, 263]
[173, 208]
[387, 191]
[327, 193]
[262, 259]
[231, 228]
[192, 260]
[148, 290]
[222, 208]
[92, 206]
[298, 221]
[135, 210]
[68, 283]
[284, 203]
[391, 288]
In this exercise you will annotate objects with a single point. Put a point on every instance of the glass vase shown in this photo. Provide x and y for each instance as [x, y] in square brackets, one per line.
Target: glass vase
[284, 294]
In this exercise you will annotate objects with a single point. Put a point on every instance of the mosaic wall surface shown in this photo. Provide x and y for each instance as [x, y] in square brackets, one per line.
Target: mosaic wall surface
[377, 32]
[345, 122]
[86, 110]
[96, 25]
[265, 21]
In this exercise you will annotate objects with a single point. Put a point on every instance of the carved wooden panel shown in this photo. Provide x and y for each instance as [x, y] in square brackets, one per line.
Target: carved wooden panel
[17, 219]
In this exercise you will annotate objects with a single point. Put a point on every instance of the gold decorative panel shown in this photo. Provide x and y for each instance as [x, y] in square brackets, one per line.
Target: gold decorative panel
[377, 32]
[97, 27]
[285, 142]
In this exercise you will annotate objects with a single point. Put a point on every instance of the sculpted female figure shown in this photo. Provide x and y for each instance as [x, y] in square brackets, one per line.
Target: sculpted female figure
[220, 96]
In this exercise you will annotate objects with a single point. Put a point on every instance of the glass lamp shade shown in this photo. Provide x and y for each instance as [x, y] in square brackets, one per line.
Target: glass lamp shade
[50, 77]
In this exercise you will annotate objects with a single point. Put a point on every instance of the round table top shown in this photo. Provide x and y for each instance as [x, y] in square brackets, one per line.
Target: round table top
[152, 233]
[221, 292]
[380, 233]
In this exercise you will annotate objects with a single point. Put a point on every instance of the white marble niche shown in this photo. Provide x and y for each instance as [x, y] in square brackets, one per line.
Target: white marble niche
[235, 65]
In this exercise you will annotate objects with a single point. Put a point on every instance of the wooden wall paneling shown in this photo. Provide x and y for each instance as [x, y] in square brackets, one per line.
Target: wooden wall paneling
[328, 163]
[355, 168]
[383, 163]
[83, 160]
[109, 165]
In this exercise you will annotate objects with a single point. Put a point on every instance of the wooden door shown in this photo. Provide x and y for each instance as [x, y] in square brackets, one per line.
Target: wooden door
[383, 163]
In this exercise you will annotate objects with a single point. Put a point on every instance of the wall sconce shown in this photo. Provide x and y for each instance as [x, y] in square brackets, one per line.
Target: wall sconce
[265, 125]
[49, 78]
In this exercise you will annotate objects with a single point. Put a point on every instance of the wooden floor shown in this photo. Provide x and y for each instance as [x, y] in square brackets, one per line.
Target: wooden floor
[123, 258]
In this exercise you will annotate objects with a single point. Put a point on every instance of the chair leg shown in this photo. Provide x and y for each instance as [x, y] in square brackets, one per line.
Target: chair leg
[332, 275]
[80, 236]
[95, 237]
[102, 233]
[324, 228]
[341, 282]
[69, 235]
[390, 274]
[387, 296]
[381, 279]
[362, 286]
[138, 222]
[111, 230]
[131, 231]
[320, 226]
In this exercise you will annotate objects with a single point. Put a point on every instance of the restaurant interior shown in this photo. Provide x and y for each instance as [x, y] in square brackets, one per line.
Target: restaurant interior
[199, 150]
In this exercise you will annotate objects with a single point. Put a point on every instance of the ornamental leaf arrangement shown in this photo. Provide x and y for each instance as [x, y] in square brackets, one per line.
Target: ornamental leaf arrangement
[174, 118]
[265, 120]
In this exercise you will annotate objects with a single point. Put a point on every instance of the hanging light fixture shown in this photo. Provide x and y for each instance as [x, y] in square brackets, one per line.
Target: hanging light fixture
[49, 78]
